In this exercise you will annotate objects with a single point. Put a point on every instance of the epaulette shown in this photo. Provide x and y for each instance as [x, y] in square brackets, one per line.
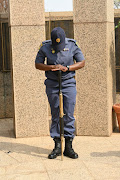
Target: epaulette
[73, 40]
[44, 42]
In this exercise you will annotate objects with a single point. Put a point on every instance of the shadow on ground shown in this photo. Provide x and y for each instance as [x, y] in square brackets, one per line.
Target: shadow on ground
[10, 148]
[106, 154]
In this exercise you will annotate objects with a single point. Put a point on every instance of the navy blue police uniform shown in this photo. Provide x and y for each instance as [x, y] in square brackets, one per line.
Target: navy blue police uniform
[65, 57]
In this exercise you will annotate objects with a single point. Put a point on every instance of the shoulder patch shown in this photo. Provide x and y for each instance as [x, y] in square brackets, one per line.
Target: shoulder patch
[77, 44]
[40, 46]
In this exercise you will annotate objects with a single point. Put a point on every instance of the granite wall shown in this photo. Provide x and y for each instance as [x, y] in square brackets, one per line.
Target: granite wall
[21, 33]
[6, 100]
[94, 30]
[27, 31]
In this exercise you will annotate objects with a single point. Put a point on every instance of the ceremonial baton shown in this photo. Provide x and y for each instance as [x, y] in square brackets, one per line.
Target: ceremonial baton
[61, 113]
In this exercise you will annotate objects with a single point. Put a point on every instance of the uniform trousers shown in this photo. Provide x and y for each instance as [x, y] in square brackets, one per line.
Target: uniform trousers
[69, 100]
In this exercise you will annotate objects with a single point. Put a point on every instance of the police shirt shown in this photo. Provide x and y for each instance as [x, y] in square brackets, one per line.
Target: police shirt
[65, 57]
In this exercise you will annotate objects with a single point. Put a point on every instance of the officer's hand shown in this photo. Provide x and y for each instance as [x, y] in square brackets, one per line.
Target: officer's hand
[60, 67]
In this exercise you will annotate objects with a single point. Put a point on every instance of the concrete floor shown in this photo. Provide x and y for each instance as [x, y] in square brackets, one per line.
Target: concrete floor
[26, 158]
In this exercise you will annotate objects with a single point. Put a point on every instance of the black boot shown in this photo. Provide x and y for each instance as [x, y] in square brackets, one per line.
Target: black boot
[68, 148]
[57, 150]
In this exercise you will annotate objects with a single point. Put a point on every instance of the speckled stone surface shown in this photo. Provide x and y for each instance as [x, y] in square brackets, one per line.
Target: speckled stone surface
[118, 98]
[1, 96]
[93, 11]
[30, 101]
[95, 88]
[2, 112]
[6, 100]
[26, 12]
[8, 93]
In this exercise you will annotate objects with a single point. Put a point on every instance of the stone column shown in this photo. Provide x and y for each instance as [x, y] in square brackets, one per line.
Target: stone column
[94, 31]
[27, 29]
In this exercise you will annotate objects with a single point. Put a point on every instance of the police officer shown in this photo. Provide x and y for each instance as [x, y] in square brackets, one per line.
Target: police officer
[61, 52]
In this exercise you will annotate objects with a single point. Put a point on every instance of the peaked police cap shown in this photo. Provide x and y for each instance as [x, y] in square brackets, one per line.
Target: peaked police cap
[58, 38]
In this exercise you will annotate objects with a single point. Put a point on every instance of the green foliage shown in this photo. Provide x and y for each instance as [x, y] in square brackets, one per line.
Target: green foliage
[117, 26]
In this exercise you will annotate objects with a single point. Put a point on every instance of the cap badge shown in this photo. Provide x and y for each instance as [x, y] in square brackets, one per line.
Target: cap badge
[53, 51]
[58, 40]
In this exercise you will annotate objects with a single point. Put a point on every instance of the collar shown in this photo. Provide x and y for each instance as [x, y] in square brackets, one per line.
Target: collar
[66, 40]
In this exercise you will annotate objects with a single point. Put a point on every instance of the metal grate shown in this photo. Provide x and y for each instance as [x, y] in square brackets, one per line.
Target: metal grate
[117, 54]
[67, 25]
[4, 47]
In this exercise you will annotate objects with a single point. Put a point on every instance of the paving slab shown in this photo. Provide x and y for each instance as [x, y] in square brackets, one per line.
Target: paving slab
[70, 174]
[103, 170]
[29, 176]
[6, 160]
[27, 158]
